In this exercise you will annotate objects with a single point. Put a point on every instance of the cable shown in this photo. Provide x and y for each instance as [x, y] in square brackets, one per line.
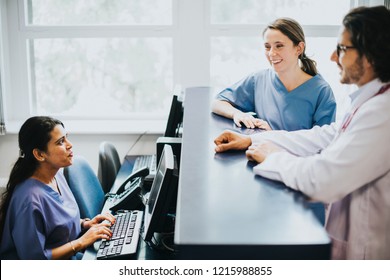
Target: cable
[136, 141]
[165, 245]
[164, 240]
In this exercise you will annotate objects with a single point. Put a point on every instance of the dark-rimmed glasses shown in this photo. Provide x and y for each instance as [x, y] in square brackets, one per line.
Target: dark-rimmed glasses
[342, 48]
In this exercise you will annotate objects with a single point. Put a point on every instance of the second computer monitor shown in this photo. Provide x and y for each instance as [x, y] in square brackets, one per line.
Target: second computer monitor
[163, 195]
[175, 118]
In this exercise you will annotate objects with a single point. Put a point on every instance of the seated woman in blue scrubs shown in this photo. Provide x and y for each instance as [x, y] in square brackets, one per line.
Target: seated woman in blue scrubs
[291, 95]
[39, 217]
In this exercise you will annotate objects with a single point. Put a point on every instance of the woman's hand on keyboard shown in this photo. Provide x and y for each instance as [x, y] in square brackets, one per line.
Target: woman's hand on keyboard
[94, 233]
[107, 218]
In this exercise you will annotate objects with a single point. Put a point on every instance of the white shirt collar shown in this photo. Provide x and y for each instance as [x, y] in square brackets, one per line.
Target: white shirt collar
[365, 92]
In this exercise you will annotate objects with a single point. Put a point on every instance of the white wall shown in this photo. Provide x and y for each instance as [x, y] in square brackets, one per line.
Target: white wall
[86, 145]
[8, 153]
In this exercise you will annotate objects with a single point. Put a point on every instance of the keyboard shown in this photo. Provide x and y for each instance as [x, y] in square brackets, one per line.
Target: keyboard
[146, 161]
[124, 241]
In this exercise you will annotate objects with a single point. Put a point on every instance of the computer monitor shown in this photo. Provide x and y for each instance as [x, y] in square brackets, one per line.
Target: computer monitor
[175, 118]
[162, 197]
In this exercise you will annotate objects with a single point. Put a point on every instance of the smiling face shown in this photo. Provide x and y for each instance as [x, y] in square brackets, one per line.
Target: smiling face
[280, 51]
[354, 69]
[59, 150]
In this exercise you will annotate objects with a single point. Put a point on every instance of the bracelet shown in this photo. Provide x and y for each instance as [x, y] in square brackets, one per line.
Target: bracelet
[83, 221]
[73, 248]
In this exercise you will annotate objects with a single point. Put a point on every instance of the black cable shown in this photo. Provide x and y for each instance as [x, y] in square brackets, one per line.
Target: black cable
[136, 141]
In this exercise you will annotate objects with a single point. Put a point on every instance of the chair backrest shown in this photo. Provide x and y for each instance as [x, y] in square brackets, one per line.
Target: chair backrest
[2, 188]
[85, 187]
[109, 165]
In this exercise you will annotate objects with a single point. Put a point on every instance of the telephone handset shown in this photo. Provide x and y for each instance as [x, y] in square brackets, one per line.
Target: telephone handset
[142, 172]
[129, 198]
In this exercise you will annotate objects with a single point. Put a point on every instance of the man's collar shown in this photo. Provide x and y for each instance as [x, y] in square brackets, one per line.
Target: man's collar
[365, 92]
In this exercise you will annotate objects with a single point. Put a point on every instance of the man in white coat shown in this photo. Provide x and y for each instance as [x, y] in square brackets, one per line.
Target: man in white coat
[347, 163]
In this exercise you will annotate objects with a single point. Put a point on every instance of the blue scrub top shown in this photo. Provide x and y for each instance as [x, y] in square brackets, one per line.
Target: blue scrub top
[39, 219]
[310, 104]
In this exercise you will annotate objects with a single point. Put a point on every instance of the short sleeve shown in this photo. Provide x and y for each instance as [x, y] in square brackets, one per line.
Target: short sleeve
[30, 246]
[241, 94]
[326, 108]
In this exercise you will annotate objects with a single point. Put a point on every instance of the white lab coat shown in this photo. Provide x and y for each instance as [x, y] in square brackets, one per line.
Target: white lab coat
[349, 169]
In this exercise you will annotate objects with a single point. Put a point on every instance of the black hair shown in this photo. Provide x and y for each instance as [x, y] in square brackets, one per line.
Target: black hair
[34, 134]
[369, 34]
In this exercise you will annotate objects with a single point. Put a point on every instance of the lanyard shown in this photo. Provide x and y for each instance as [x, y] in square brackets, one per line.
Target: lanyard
[349, 118]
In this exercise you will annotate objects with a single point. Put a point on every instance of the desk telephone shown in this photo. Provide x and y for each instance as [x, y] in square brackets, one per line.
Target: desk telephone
[128, 198]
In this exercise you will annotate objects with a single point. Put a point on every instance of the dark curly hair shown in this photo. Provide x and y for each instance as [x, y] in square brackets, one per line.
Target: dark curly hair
[368, 27]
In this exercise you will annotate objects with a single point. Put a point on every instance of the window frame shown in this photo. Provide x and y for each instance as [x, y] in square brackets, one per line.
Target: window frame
[191, 32]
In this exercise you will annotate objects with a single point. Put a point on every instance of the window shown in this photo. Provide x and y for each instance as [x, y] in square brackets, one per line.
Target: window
[306, 12]
[91, 60]
[120, 60]
[77, 55]
[99, 12]
[120, 75]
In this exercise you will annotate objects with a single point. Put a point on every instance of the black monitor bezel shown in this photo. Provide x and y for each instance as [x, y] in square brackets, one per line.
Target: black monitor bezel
[154, 221]
[175, 118]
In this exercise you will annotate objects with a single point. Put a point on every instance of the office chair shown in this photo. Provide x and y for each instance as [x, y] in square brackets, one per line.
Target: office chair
[109, 164]
[85, 187]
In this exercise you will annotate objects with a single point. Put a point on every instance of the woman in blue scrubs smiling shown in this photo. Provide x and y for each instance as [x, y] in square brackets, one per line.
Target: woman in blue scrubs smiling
[39, 217]
[290, 95]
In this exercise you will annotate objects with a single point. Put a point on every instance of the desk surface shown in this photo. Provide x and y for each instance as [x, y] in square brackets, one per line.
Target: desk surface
[224, 211]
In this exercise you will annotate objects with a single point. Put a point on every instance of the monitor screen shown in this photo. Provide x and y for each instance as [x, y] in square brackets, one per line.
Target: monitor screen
[162, 196]
[175, 118]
